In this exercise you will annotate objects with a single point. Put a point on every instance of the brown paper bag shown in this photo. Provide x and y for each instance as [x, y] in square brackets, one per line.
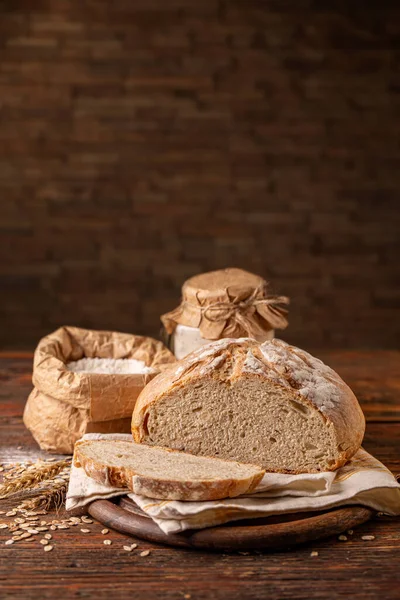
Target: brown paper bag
[64, 405]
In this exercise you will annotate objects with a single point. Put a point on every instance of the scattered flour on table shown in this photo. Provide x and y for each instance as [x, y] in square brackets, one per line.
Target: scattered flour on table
[122, 366]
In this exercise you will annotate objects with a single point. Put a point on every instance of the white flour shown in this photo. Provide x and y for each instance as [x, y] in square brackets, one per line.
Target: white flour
[122, 366]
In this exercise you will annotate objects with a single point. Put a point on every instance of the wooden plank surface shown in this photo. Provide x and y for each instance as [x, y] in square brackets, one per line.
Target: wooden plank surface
[82, 566]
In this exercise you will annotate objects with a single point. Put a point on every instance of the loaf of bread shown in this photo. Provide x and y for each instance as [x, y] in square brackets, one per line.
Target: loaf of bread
[265, 403]
[162, 473]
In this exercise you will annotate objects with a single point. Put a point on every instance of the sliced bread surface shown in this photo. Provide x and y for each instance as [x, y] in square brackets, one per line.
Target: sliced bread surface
[163, 473]
[266, 403]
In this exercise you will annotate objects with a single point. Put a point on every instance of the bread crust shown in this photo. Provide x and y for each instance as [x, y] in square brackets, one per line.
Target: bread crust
[164, 489]
[306, 378]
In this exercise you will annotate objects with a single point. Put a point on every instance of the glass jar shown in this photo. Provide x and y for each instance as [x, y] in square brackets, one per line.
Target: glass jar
[221, 304]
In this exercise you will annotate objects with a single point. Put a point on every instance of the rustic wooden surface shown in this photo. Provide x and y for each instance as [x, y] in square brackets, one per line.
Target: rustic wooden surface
[273, 533]
[80, 566]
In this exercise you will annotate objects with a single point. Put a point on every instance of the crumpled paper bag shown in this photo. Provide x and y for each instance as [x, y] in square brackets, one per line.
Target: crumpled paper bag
[65, 405]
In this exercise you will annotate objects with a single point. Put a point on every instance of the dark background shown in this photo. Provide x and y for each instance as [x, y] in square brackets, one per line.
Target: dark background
[144, 141]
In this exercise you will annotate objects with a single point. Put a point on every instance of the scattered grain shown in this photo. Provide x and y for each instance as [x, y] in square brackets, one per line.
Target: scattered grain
[342, 538]
[145, 553]
[8, 542]
[107, 542]
[47, 536]
[85, 530]
[47, 548]
[44, 542]
[104, 531]
[368, 538]
[3, 525]
[314, 553]
[350, 532]
[128, 548]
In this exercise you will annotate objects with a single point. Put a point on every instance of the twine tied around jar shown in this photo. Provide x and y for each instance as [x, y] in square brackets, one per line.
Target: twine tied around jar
[236, 310]
[228, 303]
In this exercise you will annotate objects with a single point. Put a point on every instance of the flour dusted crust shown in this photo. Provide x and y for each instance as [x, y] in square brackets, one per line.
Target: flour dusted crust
[292, 369]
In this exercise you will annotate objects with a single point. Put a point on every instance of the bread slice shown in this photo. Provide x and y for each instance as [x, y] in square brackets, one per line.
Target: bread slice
[162, 473]
[266, 403]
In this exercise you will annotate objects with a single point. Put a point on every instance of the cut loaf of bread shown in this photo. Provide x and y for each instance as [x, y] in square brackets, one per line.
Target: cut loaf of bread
[162, 473]
[266, 403]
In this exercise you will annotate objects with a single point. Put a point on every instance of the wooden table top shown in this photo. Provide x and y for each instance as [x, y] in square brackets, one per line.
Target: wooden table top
[81, 566]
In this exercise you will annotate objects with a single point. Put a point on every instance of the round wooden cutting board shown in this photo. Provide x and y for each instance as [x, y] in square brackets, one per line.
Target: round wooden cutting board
[272, 533]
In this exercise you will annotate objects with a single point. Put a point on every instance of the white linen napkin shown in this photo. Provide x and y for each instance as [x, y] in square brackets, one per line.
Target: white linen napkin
[363, 480]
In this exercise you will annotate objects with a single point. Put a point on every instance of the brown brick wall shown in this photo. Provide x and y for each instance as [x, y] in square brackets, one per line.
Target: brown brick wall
[143, 141]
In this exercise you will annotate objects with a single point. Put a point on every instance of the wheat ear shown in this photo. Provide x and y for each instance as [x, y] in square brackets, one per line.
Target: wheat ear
[54, 497]
[32, 477]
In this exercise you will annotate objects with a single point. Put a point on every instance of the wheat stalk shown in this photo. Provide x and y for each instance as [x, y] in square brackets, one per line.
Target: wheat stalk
[31, 478]
[53, 497]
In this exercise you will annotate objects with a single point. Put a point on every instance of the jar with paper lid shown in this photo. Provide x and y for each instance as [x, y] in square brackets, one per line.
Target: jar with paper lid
[228, 303]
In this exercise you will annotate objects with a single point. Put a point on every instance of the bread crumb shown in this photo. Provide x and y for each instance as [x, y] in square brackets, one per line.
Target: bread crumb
[342, 538]
[368, 538]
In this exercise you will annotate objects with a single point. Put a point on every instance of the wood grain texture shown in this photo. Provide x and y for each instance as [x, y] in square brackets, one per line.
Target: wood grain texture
[80, 566]
[260, 534]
